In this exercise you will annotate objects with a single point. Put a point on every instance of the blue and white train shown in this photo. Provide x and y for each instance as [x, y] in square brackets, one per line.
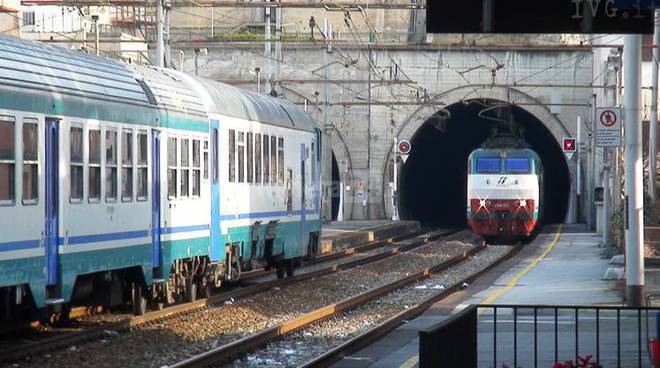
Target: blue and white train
[123, 185]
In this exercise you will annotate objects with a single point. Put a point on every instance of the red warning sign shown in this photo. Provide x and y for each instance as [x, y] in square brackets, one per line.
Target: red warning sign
[569, 145]
[404, 147]
[608, 118]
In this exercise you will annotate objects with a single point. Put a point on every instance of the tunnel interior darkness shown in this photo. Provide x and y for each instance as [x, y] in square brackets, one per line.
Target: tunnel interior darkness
[433, 181]
[335, 188]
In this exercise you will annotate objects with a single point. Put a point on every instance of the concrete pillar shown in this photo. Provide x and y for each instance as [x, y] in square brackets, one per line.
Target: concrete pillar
[634, 211]
[653, 124]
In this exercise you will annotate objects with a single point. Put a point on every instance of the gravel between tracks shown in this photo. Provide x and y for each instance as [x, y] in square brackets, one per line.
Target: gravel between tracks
[174, 339]
[308, 343]
[357, 256]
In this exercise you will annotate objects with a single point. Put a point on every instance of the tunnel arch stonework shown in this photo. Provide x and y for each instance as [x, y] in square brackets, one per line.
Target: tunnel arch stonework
[412, 124]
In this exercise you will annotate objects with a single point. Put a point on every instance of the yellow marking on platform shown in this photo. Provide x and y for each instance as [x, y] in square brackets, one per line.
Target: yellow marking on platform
[514, 280]
[410, 363]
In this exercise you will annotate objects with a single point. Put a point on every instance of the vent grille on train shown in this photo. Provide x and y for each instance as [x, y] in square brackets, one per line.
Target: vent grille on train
[147, 91]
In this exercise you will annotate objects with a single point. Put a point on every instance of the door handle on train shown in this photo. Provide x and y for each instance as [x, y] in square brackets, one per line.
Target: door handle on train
[41, 241]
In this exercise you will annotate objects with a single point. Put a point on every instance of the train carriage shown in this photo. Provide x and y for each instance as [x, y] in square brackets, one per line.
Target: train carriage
[121, 184]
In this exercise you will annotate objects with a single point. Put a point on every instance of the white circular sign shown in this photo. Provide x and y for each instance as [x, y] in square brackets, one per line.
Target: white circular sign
[404, 147]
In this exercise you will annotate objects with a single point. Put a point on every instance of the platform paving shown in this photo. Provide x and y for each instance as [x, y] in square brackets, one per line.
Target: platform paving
[569, 273]
[339, 235]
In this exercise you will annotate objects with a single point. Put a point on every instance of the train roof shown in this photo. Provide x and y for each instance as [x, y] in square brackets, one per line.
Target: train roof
[497, 151]
[55, 80]
[247, 105]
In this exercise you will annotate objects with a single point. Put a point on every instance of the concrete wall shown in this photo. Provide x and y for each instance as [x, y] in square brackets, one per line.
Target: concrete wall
[362, 134]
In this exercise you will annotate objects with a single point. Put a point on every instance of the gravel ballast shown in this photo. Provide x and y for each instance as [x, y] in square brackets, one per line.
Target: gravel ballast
[304, 345]
[171, 340]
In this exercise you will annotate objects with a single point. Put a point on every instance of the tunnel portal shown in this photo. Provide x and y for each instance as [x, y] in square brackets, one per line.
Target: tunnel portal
[433, 182]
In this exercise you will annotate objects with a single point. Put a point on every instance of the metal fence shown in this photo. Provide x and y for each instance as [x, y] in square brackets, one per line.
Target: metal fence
[540, 336]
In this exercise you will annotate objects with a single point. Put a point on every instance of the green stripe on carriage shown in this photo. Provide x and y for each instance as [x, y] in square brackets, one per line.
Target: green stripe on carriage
[182, 123]
[70, 107]
[98, 110]
[23, 271]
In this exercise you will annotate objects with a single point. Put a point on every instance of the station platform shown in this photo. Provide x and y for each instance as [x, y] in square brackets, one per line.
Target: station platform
[565, 269]
[339, 235]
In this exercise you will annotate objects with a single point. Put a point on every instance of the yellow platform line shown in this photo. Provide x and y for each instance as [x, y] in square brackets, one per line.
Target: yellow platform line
[414, 360]
[514, 280]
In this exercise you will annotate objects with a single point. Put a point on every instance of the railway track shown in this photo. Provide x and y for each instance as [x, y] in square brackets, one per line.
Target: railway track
[397, 246]
[246, 344]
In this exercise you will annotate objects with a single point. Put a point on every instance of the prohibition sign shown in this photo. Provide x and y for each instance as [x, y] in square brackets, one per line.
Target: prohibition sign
[607, 118]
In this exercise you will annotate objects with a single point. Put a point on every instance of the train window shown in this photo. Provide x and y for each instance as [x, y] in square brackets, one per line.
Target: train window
[266, 161]
[76, 164]
[126, 165]
[205, 162]
[196, 170]
[94, 164]
[257, 158]
[185, 167]
[142, 166]
[519, 165]
[171, 167]
[110, 165]
[241, 157]
[280, 159]
[7, 160]
[488, 165]
[232, 155]
[30, 161]
[273, 159]
[250, 158]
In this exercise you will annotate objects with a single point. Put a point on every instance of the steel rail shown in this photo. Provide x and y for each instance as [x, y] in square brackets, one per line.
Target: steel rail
[253, 341]
[380, 330]
[345, 252]
[53, 343]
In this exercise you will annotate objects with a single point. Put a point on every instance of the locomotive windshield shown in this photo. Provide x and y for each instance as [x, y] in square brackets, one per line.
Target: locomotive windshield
[488, 165]
[517, 166]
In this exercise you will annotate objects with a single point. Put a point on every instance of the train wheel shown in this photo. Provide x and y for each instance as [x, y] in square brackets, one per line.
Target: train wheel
[204, 289]
[290, 269]
[138, 300]
[280, 271]
[191, 291]
[62, 318]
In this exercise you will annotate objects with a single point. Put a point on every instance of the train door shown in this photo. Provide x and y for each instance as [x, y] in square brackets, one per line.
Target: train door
[217, 251]
[51, 203]
[155, 200]
[303, 199]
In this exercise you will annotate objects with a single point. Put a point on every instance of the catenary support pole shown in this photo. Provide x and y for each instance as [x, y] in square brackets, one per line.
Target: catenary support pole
[606, 197]
[653, 124]
[578, 175]
[591, 167]
[395, 181]
[634, 209]
[267, 49]
[160, 42]
[96, 34]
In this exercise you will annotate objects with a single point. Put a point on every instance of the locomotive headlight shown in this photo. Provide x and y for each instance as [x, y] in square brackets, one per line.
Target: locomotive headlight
[523, 203]
[482, 203]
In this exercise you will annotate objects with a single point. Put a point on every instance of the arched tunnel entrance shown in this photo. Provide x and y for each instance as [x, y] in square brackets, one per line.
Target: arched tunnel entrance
[433, 182]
